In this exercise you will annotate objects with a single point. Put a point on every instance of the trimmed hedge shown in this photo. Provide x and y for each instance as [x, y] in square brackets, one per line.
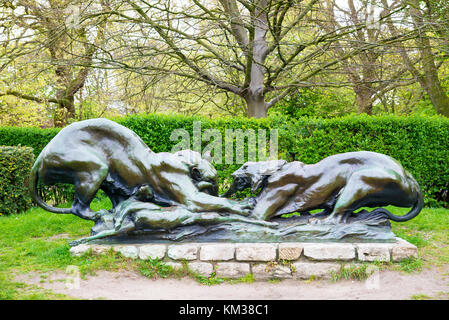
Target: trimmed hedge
[15, 165]
[421, 144]
[35, 138]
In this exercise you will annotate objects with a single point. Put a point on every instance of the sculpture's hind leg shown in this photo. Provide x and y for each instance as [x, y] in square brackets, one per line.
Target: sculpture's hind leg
[365, 187]
[90, 173]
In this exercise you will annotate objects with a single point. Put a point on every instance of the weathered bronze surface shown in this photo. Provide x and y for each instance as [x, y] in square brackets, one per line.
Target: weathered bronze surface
[173, 196]
[101, 154]
[339, 184]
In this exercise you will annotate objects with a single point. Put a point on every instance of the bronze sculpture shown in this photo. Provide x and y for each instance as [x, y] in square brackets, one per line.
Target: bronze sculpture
[101, 154]
[339, 184]
[174, 196]
[139, 211]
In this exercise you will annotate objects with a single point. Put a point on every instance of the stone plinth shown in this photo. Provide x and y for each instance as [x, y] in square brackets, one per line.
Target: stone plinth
[295, 260]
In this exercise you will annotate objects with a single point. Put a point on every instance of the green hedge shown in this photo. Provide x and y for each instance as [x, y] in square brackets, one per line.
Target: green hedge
[15, 165]
[421, 144]
[35, 138]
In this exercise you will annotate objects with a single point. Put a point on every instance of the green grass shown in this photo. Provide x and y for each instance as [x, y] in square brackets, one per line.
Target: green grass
[208, 281]
[438, 296]
[29, 242]
[429, 231]
[353, 272]
[154, 268]
[411, 265]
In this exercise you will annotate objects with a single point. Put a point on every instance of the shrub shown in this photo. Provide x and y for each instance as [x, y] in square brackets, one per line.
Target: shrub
[420, 144]
[15, 165]
[332, 103]
[35, 138]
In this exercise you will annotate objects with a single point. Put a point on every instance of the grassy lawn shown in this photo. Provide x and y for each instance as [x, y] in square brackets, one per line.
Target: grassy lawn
[29, 242]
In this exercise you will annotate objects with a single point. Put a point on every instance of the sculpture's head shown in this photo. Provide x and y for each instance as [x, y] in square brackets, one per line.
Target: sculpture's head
[253, 175]
[201, 171]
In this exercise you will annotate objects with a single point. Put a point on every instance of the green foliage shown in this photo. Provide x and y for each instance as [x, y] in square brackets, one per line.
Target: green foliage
[35, 138]
[420, 144]
[410, 265]
[316, 103]
[15, 164]
[58, 193]
[208, 281]
[154, 268]
[351, 272]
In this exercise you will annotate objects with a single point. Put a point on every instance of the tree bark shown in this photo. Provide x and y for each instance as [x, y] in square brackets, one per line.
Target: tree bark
[65, 110]
[438, 96]
[256, 106]
[253, 95]
[364, 100]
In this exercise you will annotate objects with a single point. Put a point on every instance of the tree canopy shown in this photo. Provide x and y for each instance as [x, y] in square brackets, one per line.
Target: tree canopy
[65, 60]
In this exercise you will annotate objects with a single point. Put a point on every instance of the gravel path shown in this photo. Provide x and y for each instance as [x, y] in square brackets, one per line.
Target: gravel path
[125, 285]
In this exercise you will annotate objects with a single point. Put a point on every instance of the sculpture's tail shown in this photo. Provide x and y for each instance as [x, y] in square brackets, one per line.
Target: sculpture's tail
[32, 187]
[417, 207]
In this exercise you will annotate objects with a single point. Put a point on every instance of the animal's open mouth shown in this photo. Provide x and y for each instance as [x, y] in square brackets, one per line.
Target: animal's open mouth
[241, 183]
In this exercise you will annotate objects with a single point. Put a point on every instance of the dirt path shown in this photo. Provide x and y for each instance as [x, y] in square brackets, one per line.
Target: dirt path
[125, 285]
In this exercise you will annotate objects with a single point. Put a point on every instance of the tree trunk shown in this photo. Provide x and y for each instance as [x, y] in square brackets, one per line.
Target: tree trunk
[65, 110]
[438, 98]
[364, 100]
[256, 106]
[254, 97]
[429, 81]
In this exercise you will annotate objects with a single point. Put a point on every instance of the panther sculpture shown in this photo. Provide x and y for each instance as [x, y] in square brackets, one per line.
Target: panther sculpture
[339, 184]
[101, 154]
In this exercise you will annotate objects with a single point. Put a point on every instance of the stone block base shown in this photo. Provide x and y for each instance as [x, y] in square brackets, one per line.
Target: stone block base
[294, 260]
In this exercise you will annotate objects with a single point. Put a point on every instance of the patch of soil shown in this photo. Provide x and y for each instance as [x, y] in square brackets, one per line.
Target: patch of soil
[124, 285]
[59, 236]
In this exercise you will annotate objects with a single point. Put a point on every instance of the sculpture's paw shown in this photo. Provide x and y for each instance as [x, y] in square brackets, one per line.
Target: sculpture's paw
[243, 208]
[118, 223]
[100, 213]
[75, 243]
[94, 215]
